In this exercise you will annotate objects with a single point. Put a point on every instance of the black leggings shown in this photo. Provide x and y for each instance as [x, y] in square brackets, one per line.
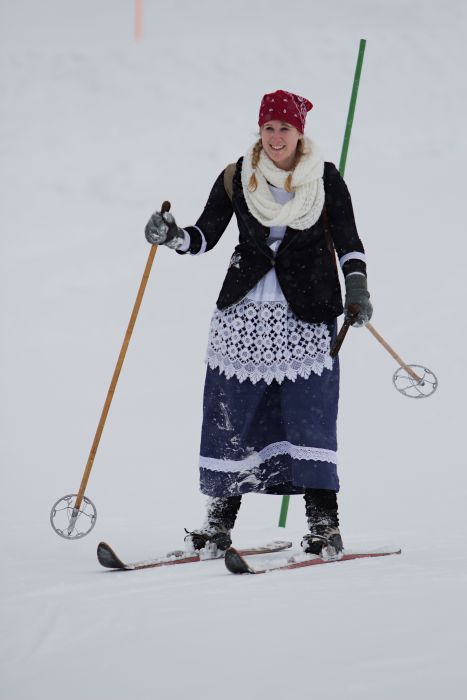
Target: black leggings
[320, 509]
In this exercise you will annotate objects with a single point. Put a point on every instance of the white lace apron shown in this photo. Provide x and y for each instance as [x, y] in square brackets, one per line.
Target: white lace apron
[260, 337]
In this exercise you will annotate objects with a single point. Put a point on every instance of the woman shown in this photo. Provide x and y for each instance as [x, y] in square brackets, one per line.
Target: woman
[271, 390]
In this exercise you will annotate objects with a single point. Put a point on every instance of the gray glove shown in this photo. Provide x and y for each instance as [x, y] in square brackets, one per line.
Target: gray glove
[161, 229]
[356, 292]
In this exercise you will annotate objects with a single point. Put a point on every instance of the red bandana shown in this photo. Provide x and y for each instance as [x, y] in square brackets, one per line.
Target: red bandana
[286, 107]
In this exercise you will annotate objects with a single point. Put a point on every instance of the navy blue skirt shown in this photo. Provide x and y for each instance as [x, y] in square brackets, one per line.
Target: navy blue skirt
[278, 438]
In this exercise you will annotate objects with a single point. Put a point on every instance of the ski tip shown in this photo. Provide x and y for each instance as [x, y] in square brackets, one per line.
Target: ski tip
[235, 563]
[107, 557]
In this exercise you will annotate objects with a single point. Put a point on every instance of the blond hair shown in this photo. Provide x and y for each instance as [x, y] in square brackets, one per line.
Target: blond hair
[300, 151]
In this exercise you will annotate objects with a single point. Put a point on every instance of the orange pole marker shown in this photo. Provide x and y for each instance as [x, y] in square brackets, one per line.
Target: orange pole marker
[138, 31]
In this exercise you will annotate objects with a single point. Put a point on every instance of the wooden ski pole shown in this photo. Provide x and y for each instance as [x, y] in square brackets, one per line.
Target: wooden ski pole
[126, 341]
[393, 353]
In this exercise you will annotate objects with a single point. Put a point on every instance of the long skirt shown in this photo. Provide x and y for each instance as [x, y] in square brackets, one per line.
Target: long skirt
[278, 438]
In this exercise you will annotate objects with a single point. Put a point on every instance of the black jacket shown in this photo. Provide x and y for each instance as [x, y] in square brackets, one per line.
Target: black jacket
[305, 261]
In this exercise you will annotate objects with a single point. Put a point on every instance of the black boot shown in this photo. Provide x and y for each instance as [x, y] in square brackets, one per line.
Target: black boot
[324, 538]
[214, 536]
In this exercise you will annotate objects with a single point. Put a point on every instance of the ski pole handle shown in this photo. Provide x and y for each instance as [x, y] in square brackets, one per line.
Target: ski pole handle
[353, 309]
[340, 338]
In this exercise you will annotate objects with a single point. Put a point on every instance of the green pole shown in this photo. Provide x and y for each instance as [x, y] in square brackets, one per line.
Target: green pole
[284, 509]
[353, 102]
[342, 162]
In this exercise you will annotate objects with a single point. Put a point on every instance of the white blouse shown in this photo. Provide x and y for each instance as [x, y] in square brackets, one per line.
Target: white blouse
[268, 288]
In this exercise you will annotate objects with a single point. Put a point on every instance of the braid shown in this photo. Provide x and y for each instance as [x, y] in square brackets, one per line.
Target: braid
[299, 152]
[257, 148]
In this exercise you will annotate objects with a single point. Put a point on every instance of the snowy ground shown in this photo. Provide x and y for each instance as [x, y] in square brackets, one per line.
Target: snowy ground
[95, 131]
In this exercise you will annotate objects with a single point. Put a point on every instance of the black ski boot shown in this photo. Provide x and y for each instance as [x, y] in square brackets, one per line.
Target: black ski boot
[198, 540]
[327, 544]
[214, 537]
[324, 539]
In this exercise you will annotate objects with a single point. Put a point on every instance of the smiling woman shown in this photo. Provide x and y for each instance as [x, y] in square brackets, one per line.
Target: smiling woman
[280, 140]
[272, 388]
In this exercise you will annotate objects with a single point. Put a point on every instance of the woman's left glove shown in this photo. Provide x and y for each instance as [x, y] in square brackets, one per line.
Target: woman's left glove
[356, 292]
[161, 229]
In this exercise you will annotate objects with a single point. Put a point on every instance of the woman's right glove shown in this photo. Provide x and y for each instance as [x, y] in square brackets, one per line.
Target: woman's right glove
[356, 292]
[161, 229]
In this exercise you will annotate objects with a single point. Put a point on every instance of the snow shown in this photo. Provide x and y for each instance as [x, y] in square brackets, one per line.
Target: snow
[96, 130]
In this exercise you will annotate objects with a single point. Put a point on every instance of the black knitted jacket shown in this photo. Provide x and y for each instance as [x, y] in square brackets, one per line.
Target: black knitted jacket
[305, 261]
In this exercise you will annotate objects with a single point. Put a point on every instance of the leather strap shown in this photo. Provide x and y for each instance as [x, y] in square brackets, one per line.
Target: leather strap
[229, 173]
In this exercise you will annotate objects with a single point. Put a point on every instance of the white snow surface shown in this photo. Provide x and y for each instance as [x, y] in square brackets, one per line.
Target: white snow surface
[96, 130]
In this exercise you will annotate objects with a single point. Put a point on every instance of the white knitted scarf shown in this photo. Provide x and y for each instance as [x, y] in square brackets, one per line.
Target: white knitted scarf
[304, 209]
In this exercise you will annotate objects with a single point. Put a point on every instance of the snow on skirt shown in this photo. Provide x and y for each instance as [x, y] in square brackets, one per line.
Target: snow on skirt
[276, 438]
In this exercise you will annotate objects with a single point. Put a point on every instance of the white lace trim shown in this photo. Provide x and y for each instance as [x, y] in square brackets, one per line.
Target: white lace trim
[255, 459]
[265, 340]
